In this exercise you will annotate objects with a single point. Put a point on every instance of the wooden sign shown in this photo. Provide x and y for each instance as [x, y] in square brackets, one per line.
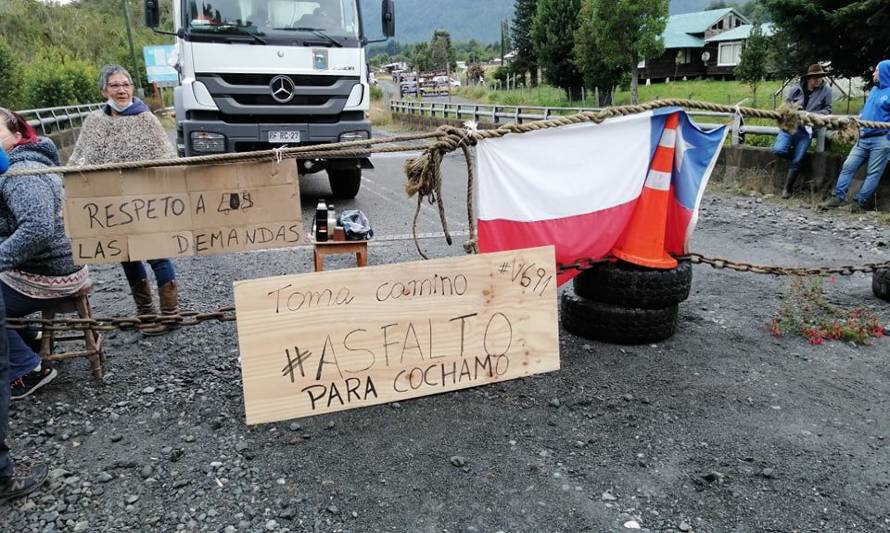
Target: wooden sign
[179, 211]
[325, 342]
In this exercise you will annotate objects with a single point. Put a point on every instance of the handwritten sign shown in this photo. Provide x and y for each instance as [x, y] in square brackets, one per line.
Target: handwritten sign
[325, 342]
[181, 211]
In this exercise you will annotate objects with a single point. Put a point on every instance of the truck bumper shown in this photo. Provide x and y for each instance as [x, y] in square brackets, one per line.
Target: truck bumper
[251, 137]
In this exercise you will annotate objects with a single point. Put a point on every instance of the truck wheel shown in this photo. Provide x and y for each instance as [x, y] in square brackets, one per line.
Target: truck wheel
[880, 284]
[629, 285]
[617, 325]
[345, 182]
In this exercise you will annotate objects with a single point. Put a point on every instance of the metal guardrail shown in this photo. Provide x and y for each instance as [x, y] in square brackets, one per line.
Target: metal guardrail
[53, 119]
[500, 114]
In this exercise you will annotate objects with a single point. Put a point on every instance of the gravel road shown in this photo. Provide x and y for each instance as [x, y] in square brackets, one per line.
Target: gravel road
[721, 428]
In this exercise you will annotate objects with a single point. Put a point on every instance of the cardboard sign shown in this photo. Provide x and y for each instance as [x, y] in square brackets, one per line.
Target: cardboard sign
[325, 342]
[180, 211]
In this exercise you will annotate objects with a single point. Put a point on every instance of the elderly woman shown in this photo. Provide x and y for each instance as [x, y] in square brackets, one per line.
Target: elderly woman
[125, 130]
[36, 264]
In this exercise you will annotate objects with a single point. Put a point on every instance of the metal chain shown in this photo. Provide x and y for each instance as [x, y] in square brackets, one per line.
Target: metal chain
[738, 266]
[227, 314]
[127, 323]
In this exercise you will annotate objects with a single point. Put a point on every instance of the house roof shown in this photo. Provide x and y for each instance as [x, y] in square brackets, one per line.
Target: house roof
[682, 40]
[697, 22]
[741, 33]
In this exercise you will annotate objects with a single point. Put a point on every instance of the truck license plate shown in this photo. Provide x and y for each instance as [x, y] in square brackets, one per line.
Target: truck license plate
[284, 136]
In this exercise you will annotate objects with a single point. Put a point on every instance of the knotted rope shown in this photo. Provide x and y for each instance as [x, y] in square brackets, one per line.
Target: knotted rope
[424, 172]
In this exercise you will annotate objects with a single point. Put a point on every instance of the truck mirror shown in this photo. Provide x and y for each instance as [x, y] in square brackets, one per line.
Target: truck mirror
[389, 17]
[152, 13]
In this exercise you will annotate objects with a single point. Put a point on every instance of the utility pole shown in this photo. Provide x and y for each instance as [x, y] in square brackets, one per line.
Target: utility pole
[139, 91]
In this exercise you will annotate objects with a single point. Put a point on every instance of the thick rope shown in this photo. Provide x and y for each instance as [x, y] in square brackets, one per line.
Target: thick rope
[299, 152]
[471, 246]
[424, 174]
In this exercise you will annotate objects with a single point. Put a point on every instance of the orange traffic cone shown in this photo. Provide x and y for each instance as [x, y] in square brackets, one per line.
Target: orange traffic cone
[643, 240]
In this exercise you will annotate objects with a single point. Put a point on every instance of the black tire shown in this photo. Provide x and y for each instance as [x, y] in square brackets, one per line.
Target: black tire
[345, 182]
[880, 284]
[629, 285]
[617, 325]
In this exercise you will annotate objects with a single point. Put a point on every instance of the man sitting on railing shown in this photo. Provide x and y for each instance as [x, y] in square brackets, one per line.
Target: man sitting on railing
[873, 146]
[812, 95]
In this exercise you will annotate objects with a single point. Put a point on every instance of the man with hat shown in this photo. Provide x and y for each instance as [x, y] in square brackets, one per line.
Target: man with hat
[872, 148]
[812, 95]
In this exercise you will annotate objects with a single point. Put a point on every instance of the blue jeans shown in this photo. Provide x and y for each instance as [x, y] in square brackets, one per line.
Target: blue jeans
[22, 359]
[793, 147]
[875, 151]
[163, 269]
[6, 465]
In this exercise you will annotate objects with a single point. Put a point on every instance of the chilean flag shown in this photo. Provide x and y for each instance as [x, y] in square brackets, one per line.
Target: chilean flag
[576, 187]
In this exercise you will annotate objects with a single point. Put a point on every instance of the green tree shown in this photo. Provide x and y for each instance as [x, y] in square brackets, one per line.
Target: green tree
[753, 66]
[804, 29]
[553, 34]
[10, 95]
[421, 58]
[56, 79]
[525, 61]
[442, 54]
[618, 34]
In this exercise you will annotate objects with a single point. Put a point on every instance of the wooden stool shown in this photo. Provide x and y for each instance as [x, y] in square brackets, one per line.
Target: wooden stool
[322, 249]
[79, 304]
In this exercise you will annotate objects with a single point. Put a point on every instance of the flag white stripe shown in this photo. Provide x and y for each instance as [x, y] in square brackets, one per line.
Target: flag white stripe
[563, 172]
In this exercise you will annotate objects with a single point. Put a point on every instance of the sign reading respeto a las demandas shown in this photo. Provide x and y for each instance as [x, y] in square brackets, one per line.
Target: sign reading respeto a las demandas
[151, 213]
[325, 342]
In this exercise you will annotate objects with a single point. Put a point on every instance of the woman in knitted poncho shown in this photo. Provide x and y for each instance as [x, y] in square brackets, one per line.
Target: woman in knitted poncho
[125, 130]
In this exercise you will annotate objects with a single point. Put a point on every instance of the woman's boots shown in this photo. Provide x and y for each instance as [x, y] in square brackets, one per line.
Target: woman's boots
[169, 296]
[142, 296]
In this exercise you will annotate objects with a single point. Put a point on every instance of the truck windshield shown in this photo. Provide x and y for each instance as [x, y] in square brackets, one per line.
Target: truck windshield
[334, 19]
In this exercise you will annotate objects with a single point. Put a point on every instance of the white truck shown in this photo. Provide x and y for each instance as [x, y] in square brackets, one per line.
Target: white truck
[258, 74]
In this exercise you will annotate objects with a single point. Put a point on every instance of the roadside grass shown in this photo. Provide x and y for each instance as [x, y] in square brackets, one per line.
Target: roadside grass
[720, 92]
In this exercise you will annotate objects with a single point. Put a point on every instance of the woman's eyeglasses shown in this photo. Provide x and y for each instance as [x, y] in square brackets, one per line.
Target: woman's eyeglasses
[119, 85]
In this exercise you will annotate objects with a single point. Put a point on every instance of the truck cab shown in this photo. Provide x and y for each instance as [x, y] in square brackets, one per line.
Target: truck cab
[261, 74]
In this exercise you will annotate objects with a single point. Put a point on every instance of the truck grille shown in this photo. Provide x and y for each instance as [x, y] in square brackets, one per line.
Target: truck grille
[250, 94]
[266, 79]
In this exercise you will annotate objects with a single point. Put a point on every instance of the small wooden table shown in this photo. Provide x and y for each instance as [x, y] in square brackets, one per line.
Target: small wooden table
[322, 249]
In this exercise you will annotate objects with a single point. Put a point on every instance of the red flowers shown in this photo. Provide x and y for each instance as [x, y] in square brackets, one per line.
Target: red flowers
[806, 312]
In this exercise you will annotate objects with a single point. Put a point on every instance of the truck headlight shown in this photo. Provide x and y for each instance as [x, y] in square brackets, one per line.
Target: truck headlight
[207, 142]
[354, 136]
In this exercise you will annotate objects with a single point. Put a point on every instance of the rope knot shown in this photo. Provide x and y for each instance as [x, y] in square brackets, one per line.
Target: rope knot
[789, 117]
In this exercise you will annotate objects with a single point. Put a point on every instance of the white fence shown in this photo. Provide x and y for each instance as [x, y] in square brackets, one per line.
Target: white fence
[51, 119]
[502, 114]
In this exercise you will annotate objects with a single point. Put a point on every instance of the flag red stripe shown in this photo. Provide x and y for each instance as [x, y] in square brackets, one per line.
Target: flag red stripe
[591, 235]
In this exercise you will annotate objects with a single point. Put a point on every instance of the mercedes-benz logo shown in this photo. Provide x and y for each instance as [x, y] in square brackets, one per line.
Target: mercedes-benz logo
[283, 89]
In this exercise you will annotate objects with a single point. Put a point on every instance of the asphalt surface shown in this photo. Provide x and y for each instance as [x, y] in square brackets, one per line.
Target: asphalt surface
[721, 428]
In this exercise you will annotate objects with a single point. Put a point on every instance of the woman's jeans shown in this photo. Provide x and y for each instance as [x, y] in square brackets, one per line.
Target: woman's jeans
[163, 269]
[876, 152]
[22, 359]
[793, 147]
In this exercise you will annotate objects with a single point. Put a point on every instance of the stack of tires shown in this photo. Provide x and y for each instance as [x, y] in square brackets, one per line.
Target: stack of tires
[880, 284]
[621, 303]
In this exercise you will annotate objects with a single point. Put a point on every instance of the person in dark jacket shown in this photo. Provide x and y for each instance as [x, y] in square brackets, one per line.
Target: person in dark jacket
[812, 95]
[873, 146]
[37, 267]
[14, 482]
